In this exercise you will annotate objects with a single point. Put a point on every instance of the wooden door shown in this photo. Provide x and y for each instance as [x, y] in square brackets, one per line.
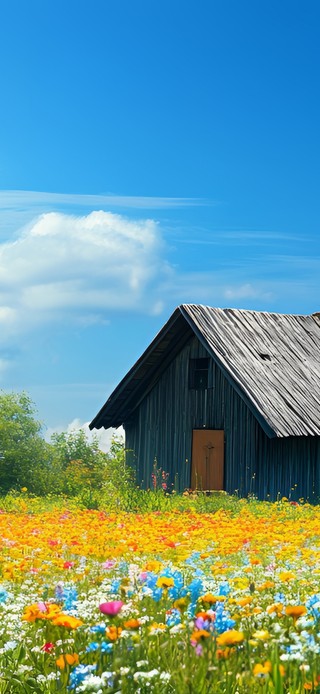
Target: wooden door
[207, 463]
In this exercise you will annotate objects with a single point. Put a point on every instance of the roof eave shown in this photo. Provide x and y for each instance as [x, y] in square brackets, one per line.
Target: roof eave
[101, 419]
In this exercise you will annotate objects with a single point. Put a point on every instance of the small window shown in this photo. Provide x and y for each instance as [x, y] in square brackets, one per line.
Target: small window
[198, 373]
[265, 357]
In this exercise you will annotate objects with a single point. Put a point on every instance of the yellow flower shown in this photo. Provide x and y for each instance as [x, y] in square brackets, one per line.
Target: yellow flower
[212, 599]
[286, 576]
[261, 635]
[230, 638]
[165, 582]
[157, 627]
[260, 670]
[180, 604]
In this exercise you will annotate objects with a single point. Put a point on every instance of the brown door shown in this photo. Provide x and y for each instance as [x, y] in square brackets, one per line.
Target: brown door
[207, 464]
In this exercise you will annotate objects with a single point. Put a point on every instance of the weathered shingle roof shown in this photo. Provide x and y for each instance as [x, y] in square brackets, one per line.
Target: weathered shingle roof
[272, 359]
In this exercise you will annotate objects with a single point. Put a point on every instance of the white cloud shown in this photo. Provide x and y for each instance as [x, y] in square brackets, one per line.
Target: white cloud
[104, 436]
[80, 267]
[17, 199]
[244, 291]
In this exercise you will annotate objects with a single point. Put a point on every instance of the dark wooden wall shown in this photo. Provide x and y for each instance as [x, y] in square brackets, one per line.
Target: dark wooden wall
[161, 427]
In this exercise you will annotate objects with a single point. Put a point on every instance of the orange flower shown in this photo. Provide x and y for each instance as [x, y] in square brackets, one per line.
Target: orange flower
[266, 585]
[199, 635]
[295, 611]
[277, 607]
[243, 601]
[225, 652]
[66, 620]
[113, 632]
[40, 611]
[132, 624]
[67, 659]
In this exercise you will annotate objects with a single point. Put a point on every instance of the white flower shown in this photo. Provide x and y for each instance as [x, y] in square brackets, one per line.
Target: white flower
[165, 676]
[10, 645]
[139, 675]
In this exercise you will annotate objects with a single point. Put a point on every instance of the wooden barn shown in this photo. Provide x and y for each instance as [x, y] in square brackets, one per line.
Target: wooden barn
[226, 399]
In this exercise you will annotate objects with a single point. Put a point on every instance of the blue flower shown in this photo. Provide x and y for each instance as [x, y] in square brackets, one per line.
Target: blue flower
[69, 597]
[195, 588]
[173, 618]
[92, 647]
[106, 647]
[79, 674]
[3, 594]
[98, 629]
[222, 621]
[157, 594]
[224, 588]
[313, 604]
[115, 585]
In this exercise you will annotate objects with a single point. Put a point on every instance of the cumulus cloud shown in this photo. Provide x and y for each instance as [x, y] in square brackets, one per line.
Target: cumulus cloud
[79, 266]
[104, 436]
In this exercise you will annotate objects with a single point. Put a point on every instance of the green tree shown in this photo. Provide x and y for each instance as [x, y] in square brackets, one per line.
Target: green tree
[22, 448]
[81, 461]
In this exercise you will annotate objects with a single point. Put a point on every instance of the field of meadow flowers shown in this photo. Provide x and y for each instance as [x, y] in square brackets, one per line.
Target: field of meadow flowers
[175, 601]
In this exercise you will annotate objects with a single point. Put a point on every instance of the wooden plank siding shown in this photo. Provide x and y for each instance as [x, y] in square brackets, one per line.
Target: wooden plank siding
[161, 427]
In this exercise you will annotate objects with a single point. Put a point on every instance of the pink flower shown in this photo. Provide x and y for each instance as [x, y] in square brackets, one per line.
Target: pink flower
[111, 608]
[42, 607]
[143, 576]
[108, 564]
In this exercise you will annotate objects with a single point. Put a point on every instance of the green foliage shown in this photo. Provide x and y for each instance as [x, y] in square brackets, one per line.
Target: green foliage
[71, 467]
[22, 447]
[81, 465]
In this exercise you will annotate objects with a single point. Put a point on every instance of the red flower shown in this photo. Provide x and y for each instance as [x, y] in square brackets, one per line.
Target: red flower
[48, 647]
[68, 564]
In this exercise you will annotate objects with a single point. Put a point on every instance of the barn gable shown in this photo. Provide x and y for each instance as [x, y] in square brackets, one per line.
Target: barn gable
[272, 360]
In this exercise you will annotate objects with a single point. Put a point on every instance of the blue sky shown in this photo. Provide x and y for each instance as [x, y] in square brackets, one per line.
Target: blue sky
[151, 154]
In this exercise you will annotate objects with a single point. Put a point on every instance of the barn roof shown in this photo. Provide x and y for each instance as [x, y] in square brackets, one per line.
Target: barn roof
[271, 359]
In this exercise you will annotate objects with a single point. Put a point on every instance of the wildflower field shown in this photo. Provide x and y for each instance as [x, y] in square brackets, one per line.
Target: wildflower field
[175, 601]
